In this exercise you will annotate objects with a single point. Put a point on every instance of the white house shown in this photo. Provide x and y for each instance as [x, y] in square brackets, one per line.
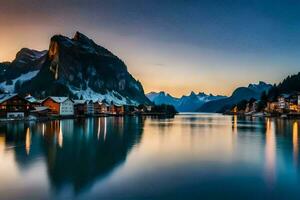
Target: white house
[282, 103]
[63, 106]
[67, 107]
[90, 107]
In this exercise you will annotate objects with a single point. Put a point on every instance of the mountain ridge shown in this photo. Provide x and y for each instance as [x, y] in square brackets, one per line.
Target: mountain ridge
[239, 94]
[185, 103]
[75, 67]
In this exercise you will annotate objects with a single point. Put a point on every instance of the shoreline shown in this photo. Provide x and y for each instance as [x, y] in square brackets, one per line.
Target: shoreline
[51, 118]
[269, 115]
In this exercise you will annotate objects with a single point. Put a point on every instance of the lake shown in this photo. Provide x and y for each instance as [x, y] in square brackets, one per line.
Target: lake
[191, 156]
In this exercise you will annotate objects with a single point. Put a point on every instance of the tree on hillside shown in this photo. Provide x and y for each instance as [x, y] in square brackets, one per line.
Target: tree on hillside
[242, 105]
[262, 104]
[273, 93]
[290, 84]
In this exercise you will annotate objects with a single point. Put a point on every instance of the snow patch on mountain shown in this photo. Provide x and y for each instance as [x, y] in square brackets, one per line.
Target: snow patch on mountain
[24, 77]
[183, 104]
[260, 87]
[109, 97]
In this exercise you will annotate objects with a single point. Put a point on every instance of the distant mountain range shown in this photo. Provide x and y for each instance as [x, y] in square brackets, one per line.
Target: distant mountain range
[202, 102]
[241, 93]
[188, 103]
[75, 67]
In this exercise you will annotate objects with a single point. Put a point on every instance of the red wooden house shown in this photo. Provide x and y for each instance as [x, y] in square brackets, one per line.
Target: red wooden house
[14, 106]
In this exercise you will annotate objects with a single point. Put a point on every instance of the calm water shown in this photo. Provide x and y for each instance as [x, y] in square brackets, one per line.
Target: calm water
[190, 156]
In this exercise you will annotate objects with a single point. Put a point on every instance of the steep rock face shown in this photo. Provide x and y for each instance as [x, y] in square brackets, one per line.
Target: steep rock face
[80, 68]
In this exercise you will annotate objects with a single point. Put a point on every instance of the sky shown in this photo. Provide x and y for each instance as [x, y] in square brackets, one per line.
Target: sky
[177, 46]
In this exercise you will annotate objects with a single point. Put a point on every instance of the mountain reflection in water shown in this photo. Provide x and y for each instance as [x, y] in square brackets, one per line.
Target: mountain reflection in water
[77, 152]
[191, 156]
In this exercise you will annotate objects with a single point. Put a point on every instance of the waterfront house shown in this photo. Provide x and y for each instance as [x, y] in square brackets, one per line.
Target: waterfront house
[255, 106]
[62, 106]
[79, 107]
[14, 106]
[89, 107]
[116, 109]
[130, 109]
[148, 108]
[293, 105]
[234, 110]
[101, 107]
[247, 109]
[282, 102]
[298, 101]
[40, 111]
[272, 107]
[33, 101]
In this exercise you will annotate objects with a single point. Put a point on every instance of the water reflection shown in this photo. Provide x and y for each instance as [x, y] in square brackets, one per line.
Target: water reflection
[28, 141]
[76, 154]
[270, 151]
[295, 142]
[234, 124]
[186, 157]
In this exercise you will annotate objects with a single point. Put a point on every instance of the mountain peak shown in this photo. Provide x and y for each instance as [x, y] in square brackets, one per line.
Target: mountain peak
[193, 93]
[75, 67]
[202, 94]
[260, 87]
[80, 37]
[259, 84]
[31, 54]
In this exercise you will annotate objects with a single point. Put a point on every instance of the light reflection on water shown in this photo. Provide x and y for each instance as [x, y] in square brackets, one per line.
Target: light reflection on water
[189, 156]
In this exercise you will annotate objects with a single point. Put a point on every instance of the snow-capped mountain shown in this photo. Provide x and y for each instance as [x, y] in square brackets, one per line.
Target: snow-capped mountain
[239, 94]
[162, 98]
[260, 87]
[76, 67]
[184, 104]
[26, 65]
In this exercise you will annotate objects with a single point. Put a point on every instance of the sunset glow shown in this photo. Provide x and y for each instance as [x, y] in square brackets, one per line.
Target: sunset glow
[169, 54]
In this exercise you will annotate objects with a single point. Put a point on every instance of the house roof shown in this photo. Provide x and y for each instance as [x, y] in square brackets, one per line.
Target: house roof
[5, 97]
[284, 95]
[76, 102]
[89, 101]
[58, 99]
[117, 105]
[40, 109]
[102, 102]
[31, 99]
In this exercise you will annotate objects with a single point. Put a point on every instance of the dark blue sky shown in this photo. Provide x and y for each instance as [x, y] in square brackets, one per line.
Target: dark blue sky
[172, 45]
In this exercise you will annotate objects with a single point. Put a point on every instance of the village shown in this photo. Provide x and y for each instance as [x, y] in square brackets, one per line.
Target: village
[285, 105]
[16, 107]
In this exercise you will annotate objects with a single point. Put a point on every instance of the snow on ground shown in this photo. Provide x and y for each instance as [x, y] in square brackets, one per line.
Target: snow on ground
[90, 94]
[22, 78]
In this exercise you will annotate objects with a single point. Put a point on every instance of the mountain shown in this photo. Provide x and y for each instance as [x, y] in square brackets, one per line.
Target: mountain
[241, 93]
[290, 84]
[184, 104]
[76, 67]
[162, 98]
[25, 66]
